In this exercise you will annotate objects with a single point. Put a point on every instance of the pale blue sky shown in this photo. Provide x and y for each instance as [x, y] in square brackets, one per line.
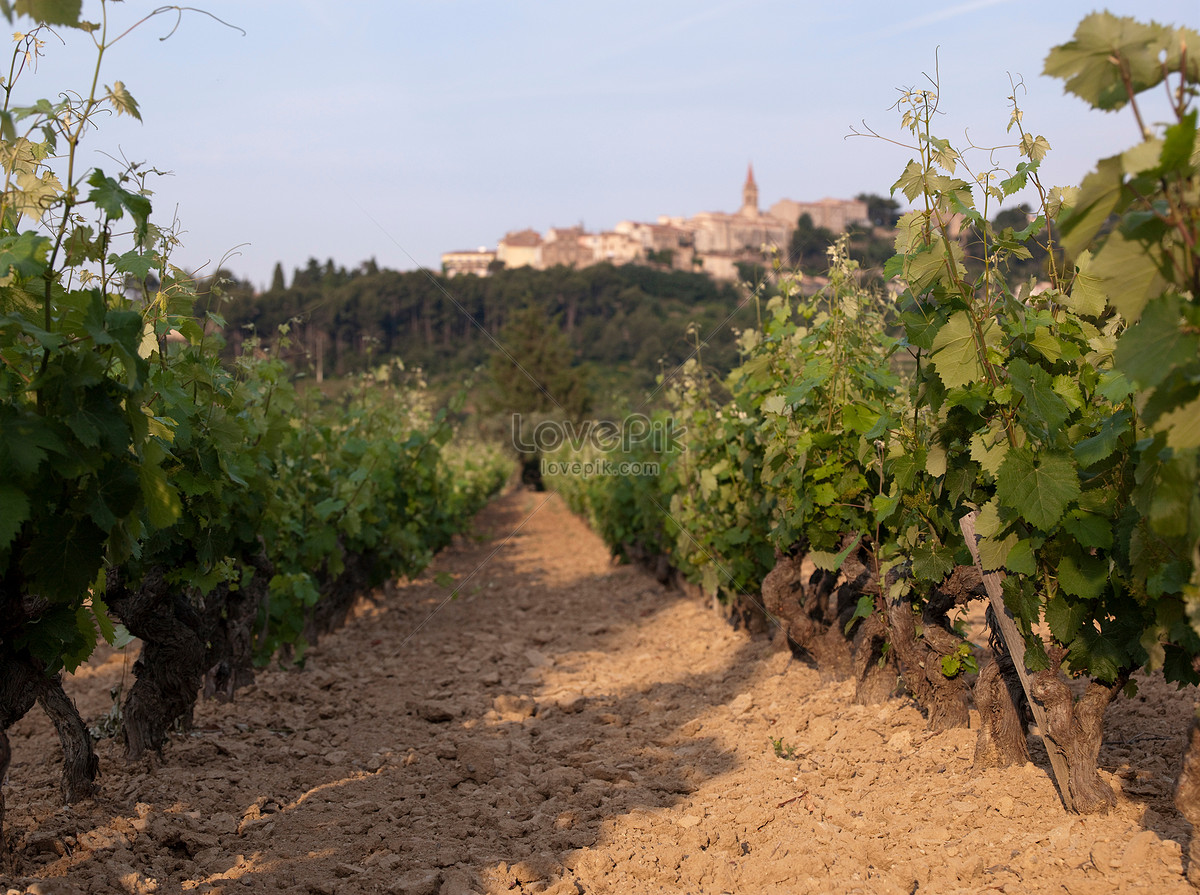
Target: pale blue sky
[400, 129]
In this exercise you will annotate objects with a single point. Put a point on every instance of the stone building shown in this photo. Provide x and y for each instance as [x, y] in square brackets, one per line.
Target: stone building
[567, 246]
[477, 262]
[837, 215]
[665, 243]
[522, 248]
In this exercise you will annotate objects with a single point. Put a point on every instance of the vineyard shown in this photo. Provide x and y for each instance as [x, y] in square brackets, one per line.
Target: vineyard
[959, 524]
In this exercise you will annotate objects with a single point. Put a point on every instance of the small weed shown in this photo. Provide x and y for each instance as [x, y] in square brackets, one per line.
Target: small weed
[782, 750]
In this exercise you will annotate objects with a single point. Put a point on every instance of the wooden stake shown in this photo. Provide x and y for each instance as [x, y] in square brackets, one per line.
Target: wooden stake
[1016, 648]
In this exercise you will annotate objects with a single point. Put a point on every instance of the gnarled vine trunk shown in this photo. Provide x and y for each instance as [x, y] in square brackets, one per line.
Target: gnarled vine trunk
[171, 665]
[1002, 740]
[816, 609]
[1077, 727]
[230, 654]
[875, 673]
[809, 605]
[22, 683]
[80, 765]
[943, 698]
[18, 688]
[338, 594]
[185, 641]
[1187, 799]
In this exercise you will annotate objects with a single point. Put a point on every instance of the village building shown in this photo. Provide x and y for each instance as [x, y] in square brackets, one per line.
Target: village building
[712, 242]
[522, 248]
[568, 246]
[477, 262]
[838, 215]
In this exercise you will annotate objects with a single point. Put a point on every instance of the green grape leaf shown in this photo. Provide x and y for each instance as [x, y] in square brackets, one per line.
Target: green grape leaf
[1038, 488]
[1047, 345]
[1114, 386]
[135, 262]
[114, 200]
[1182, 426]
[774, 404]
[987, 454]
[1021, 600]
[52, 12]
[884, 505]
[159, 496]
[1097, 654]
[14, 510]
[831, 562]
[1097, 201]
[1065, 617]
[1128, 275]
[1041, 406]
[1020, 559]
[63, 557]
[25, 442]
[1179, 144]
[1098, 447]
[24, 255]
[1088, 529]
[1159, 342]
[993, 554]
[1083, 575]
[104, 622]
[932, 563]
[1087, 292]
[1088, 62]
[955, 353]
[122, 101]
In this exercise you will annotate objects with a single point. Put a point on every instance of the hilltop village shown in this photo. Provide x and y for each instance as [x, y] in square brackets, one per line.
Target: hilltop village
[711, 242]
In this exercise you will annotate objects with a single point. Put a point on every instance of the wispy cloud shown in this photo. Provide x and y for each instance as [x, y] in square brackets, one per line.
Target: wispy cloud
[933, 18]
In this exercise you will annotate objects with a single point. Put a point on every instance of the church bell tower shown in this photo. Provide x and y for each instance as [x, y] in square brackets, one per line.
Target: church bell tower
[750, 193]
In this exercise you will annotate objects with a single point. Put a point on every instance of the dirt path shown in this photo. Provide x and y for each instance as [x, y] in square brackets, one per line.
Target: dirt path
[570, 726]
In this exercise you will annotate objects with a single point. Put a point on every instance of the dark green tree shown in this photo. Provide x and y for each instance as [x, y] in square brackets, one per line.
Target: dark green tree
[882, 210]
[532, 370]
[807, 249]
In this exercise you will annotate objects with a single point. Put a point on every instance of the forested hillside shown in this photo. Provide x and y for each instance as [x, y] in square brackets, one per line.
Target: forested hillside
[626, 321]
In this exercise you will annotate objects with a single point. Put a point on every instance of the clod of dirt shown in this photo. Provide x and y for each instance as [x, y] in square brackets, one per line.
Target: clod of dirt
[431, 712]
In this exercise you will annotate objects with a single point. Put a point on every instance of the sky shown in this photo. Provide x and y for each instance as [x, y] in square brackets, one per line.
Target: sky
[401, 129]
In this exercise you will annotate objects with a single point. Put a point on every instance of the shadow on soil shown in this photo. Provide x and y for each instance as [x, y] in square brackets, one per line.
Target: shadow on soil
[446, 763]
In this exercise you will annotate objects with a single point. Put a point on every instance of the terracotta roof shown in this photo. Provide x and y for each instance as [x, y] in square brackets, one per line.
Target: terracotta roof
[523, 239]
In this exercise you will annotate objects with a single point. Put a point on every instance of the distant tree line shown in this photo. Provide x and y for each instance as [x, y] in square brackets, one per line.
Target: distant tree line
[625, 323]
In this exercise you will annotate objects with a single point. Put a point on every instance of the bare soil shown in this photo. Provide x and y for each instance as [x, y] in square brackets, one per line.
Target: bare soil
[566, 725]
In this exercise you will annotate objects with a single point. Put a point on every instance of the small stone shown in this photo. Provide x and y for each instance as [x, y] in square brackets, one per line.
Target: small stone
[1104, 857]
[477, 762]
[518, 706]
[101, 840]
[417, 882]
[44, 844]
[1139, 848]
[742, 704]
[431, 712]
[689, 820]
[571, 702]
[455, 882]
